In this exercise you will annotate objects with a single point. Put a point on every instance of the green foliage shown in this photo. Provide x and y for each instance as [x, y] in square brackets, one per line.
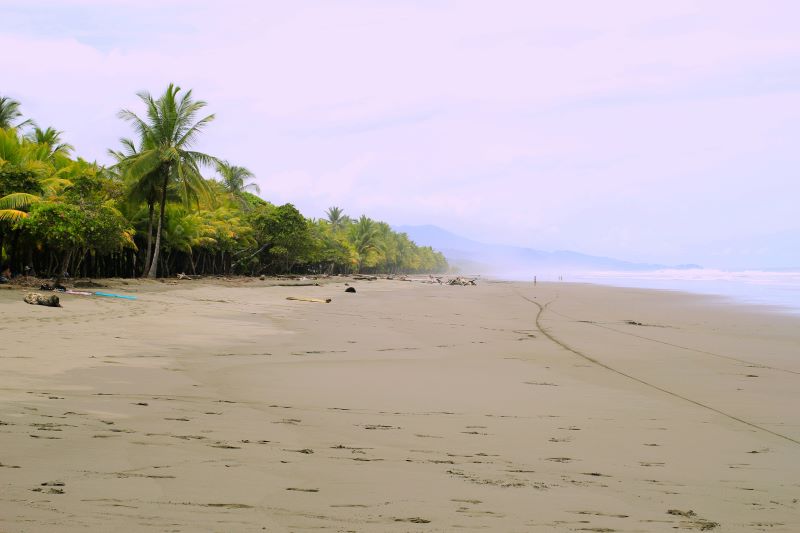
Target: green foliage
[61, 213]
[57, 225]
[14, 179]
[65, 227]
[284, 234]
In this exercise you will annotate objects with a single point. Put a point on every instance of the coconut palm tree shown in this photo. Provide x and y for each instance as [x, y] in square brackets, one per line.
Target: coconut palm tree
[167, 133]
[336, 218]
[9, 112]
[235, 180]
[19, 155]
[51, 138]
[138, 188]
[365, 236]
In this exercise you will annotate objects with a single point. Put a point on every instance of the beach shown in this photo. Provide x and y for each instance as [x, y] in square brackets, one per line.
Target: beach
[214, 405]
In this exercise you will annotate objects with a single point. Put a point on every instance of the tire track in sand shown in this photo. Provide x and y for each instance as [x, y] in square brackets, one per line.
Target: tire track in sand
[687, 348]
[594, 361]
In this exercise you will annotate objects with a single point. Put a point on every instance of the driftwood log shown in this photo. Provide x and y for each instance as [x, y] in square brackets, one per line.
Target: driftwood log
[34, 298]
[315, 300]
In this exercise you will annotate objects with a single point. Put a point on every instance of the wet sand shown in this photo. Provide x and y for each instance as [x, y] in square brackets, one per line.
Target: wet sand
[405, 407]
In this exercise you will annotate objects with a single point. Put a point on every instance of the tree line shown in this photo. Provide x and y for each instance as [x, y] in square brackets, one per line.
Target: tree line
[153, 212]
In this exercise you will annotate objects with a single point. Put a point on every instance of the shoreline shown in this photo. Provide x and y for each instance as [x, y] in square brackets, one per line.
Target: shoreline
[403, 407]
[135, 284]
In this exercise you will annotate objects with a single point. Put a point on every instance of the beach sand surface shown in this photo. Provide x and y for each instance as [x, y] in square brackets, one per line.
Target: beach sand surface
[222, 406]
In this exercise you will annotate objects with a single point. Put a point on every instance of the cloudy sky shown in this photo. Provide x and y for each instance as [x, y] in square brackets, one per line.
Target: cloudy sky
[649, 131]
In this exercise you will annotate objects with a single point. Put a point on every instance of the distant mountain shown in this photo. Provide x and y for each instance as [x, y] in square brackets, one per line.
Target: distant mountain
[514, 261]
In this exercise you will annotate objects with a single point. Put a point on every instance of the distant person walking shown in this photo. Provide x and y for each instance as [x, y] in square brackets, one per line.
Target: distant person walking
[534, 281]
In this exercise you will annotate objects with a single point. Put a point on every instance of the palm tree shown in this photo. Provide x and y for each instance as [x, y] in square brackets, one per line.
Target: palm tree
[234, 179]
[51, 138]
[365, 236]
[336, 217]
[21, 155]
[167, 134]
[138, 188]
[9, 111]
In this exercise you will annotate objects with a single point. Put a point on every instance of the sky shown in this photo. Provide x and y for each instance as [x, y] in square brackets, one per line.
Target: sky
[660, 132]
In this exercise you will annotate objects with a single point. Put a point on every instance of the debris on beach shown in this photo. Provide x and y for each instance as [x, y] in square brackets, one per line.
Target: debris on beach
[350, 289]
[78, 293]
[112, 295]
[184, 276]
[365, 278]
[315, 300]
[34, 298]
[462, 281]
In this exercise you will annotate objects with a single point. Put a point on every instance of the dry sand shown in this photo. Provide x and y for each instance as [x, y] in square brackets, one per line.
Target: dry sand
[404, 407]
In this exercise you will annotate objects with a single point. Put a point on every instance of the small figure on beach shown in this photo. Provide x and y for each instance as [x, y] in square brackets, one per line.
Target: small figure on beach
[534, 281]
[5, 274]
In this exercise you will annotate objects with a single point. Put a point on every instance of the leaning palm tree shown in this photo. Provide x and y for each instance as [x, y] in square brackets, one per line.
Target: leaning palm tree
[235, 180]
[9, 111]
[167, 134]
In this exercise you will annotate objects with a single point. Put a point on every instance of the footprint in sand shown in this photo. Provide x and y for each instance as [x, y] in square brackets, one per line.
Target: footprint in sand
[291, 421]
[225, 446]
[379, 426]
[229, 505]
[693, 521]
[600, 513]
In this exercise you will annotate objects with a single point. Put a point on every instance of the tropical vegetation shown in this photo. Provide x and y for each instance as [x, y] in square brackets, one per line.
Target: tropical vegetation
[164, 208]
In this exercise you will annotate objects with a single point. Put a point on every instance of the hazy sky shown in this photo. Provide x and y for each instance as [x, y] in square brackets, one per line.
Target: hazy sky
[648, 131]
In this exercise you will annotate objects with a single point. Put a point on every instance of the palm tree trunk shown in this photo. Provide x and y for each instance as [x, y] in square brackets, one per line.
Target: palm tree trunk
[64, 266]
[149, 253]
[154, 264]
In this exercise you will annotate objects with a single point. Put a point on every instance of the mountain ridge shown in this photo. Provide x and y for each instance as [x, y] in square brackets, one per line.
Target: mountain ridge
[474, 256]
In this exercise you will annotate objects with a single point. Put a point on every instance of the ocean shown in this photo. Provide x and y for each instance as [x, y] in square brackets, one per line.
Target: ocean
[780, 289]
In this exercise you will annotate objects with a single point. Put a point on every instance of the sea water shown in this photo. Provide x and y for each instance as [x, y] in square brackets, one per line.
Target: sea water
[774, 288]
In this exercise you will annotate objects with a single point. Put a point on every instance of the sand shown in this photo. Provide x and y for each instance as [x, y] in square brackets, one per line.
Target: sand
[213, 406]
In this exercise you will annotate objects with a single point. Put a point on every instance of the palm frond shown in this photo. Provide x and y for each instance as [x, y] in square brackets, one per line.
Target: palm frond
[12, 215]
[18, 200]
